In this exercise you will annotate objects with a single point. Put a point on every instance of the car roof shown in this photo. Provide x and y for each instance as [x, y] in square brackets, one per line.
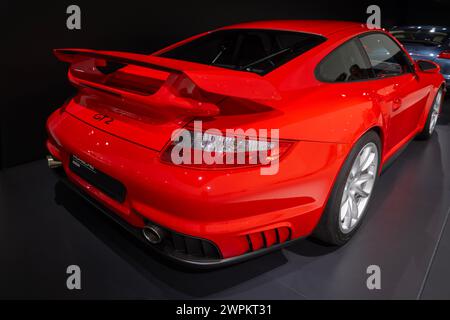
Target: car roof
[320, 27]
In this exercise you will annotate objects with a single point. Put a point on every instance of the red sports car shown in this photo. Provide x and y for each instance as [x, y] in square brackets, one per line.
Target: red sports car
[238, 141]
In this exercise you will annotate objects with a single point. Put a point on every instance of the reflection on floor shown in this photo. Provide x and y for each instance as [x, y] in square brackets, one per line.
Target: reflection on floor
[44, 227]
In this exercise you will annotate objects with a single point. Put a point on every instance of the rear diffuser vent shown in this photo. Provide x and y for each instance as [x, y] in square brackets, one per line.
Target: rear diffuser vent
[268, 238]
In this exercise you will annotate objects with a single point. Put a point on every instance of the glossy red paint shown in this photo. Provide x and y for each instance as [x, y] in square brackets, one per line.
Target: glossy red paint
[238, 209]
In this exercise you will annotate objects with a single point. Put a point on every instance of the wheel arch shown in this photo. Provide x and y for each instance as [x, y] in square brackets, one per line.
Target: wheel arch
[378, 129]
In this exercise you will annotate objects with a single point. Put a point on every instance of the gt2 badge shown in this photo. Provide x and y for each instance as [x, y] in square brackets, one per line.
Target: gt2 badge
[102, 117]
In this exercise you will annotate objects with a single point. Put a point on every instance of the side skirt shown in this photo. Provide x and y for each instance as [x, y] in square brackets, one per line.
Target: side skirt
[395, 155]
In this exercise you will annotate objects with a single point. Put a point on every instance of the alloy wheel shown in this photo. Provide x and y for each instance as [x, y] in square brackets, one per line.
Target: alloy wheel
[435, 110]
[358, 187]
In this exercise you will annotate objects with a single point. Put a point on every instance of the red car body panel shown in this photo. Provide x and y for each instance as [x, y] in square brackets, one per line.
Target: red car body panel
[237, 209]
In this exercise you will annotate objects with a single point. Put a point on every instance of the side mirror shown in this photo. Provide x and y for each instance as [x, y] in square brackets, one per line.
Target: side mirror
[428, 66]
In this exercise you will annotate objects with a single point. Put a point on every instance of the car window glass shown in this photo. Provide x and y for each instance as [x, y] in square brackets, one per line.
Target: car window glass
[346, 63]
[386, 57]
[254, 50]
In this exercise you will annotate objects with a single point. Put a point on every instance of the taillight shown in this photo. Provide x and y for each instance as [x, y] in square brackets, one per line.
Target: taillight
[221, 150]
[444, 54]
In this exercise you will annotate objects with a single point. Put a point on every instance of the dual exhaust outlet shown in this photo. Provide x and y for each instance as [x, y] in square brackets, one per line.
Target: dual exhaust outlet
[152, 233]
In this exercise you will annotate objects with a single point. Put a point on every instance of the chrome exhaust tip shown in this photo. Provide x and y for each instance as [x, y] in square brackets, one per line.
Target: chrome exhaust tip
[53, 163]
[153, 234]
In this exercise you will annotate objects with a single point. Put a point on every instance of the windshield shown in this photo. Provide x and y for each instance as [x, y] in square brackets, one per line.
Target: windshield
[432, 36]
[253, 50]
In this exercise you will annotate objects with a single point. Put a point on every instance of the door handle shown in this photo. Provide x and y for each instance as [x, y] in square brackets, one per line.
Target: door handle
[396, 104]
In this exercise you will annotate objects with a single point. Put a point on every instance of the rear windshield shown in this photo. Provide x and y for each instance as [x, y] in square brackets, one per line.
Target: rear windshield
[259, 51]
[427, 36]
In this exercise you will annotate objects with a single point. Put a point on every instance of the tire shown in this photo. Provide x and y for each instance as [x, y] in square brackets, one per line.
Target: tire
[331, 228]
[430, 124]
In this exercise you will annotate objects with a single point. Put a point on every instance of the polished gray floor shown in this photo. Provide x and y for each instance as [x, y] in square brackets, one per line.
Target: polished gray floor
[44, 228]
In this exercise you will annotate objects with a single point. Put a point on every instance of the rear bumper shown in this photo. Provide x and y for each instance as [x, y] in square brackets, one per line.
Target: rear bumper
[241, 212]
[166, 250]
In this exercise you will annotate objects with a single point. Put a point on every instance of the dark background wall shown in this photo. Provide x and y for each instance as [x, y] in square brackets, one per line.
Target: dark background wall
[35, 83]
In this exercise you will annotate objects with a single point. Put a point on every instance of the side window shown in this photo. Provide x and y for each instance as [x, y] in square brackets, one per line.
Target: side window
[344, 64]
[385, 55]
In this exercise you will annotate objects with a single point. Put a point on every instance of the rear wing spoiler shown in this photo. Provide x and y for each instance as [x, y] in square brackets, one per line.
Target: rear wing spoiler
[95, 69]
